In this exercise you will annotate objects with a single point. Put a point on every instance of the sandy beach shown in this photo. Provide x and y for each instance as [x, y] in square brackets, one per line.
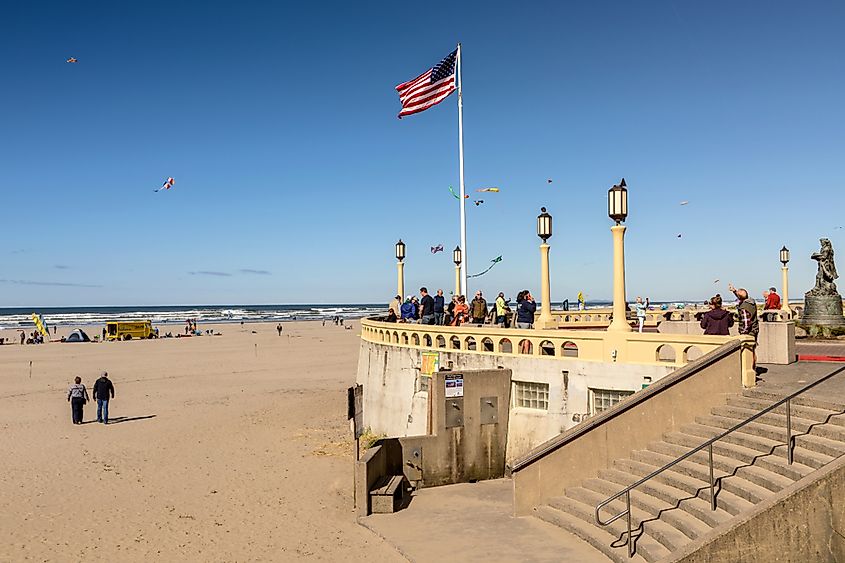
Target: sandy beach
[229, 448]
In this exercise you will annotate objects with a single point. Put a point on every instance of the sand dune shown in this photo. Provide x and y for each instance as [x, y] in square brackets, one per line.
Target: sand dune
[230, 448]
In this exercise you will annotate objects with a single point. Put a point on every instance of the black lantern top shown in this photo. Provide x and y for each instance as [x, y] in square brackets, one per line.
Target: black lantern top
[457, 256]
[617, 202]
[400, 250]
[784, 256]
[544, 225]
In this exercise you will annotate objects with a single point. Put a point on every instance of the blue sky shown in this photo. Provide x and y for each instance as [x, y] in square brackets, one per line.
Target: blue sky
[294, 178]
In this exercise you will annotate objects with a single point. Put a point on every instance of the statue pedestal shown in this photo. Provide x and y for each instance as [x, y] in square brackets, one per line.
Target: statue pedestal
[825, 310]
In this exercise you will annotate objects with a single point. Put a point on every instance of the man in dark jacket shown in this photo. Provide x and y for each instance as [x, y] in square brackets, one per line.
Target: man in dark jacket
[103, 391]
[439, 308]
[717, 320]
[426, 307]
[478, 309]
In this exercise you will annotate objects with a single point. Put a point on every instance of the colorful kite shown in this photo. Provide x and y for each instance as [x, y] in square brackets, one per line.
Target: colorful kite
[494, 190]
[478, 202]
[72, 60]
[166, 185]
[40, 324]
[436, 249]
[494, 261]
[456, 195]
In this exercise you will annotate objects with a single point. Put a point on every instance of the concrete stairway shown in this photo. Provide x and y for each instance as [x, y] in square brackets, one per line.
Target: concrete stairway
[674, 507]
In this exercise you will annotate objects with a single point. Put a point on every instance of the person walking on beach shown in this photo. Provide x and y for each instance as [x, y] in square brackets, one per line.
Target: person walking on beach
[747, 311]
[23, 337]
[641, 310]
[103, 392]
[439, 308]
[279, 328]
[426, 307]
[77, 396]
[717, 321]
[478, 308]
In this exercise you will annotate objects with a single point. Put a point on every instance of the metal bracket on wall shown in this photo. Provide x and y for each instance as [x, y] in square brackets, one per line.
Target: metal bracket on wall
[489, 410]
[413, 463]
[454, 412]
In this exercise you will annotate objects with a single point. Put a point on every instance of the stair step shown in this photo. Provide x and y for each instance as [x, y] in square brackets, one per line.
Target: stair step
[678, 443]
[600, 538]
[818, 444]
[722, 466]
[643, 509]
[778, 421]
[737, 486]
[647, 546]
[655, 497]
[806, 400]
[810, 413]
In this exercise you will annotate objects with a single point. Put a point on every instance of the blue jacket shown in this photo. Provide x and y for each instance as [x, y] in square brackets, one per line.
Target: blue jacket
[407, 309]
[525, 311]
[438, 303]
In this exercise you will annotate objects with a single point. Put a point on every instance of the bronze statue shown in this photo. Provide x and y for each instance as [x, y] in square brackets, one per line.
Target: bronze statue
[827, 270]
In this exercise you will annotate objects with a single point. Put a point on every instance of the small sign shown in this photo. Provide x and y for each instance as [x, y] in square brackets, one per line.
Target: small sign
[355, 408]
[430, 363]
[454, 385]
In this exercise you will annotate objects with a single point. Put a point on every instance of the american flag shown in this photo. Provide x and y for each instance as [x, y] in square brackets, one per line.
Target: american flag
[430, 88]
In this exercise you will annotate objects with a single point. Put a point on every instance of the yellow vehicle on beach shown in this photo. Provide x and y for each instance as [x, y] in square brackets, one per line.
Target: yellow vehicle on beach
[127, 330]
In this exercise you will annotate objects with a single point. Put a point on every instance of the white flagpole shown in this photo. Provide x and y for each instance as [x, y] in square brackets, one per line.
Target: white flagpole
[462, 201]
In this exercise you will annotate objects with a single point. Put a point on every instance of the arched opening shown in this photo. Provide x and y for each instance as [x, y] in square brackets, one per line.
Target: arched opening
[395, 337]
[470, 343]
[404, 338]
[547, 348]
[569, 350]
[415, 339]
[441, 342]
[692, 353]
[427, 340]
[526, 347]
[487, 345]
[455, 343]
[665, 353]
[588, 318]
[505, 346]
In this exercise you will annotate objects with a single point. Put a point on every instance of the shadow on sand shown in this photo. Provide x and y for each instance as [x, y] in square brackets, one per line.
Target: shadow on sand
[119, 419]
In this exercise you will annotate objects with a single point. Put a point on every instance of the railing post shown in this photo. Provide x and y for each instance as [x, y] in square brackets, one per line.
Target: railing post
[788, 432]
[630, 541]
[712, 482]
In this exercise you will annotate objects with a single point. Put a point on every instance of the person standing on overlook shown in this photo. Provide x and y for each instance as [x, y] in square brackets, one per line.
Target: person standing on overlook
[772, 299]
[717, 321]
[747, 311]
[103, 392]
[478, 308]
[641, 310]
[426, 307]
[439, 308]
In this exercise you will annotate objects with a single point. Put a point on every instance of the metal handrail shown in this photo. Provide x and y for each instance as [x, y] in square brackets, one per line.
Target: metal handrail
[709, 445]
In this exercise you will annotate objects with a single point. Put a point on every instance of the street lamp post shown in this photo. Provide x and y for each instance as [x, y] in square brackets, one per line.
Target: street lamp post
[400, 269]
[457, 257]
[617, 209]
[784, 259]
[544, 231]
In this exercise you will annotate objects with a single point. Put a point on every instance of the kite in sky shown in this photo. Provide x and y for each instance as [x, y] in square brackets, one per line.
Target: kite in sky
[166, 185]
[494, 261]
[495, 190]
[436, 249]
[716, 281]
[456, 195]
[478, 202]
[679, 235]
[72, 60]
[549, 181]
[684, 202]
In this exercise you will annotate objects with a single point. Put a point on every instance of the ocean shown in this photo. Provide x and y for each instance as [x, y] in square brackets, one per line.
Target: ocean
[16, 317]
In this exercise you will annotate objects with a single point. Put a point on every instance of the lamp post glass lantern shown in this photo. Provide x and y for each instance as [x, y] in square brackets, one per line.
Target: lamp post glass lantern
[617, 202]
[457, 256]
[784, 256]
[544, 225]
[400, 250]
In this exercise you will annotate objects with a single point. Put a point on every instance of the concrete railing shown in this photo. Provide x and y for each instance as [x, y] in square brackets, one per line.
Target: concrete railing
[579, 453]
[600, 318]
[583, 345]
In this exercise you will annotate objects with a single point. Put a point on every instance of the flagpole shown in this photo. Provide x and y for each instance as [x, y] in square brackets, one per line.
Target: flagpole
[462, 201]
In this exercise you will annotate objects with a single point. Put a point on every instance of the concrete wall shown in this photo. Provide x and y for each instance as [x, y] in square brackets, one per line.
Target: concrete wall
[393, 406]
[579, 453]
[804, 522]
[775, 343]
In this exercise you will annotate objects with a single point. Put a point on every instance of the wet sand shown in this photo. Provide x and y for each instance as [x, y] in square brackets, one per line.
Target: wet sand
[224, 448]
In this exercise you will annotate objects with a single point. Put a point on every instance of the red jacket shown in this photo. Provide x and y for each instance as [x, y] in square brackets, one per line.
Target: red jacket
[773, 301]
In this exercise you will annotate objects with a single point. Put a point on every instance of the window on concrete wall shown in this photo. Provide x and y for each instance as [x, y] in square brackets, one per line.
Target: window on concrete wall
[603, 399]
[531, 395]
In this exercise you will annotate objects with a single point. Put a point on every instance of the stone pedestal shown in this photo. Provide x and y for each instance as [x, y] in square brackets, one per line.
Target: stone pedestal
[824, 310]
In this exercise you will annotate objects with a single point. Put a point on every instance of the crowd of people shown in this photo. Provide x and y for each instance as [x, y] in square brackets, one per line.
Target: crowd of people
[434, 310]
